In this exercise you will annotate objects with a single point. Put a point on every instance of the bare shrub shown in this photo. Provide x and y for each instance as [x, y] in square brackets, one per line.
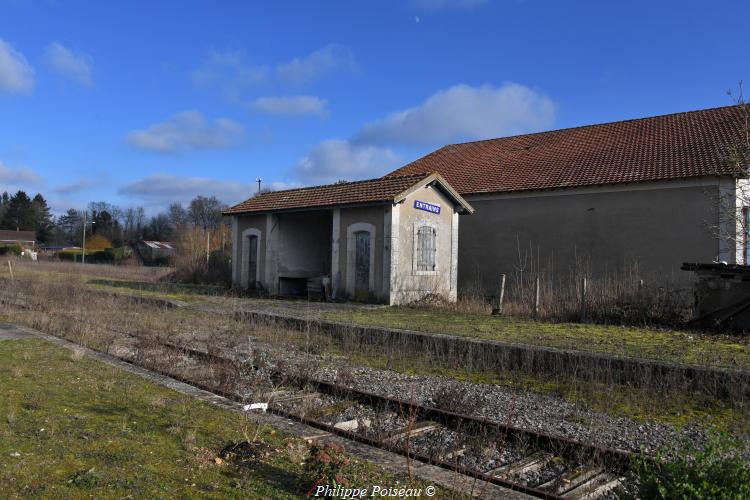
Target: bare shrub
[203, 256]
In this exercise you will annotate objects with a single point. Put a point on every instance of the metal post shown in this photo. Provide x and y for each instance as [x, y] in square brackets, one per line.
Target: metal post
[208, 245]
[83, 248]
[583, 300]
[536, 298]
[498, 309]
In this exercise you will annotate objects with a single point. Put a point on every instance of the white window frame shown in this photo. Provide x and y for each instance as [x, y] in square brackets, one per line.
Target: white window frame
[415, 251]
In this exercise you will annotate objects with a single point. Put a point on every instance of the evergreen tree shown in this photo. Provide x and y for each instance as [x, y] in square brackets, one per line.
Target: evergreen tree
[4, 199]
[19, 213]
[43, 219]
[70, 225]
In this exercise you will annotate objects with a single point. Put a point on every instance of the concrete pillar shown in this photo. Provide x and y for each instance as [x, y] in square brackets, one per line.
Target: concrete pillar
[236, 263]
[387, 237]
[272, 253]
[453, 292]
[395, 282]
[335, 260]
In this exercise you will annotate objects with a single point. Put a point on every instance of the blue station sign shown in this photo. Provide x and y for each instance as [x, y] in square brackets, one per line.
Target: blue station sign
[427, 207]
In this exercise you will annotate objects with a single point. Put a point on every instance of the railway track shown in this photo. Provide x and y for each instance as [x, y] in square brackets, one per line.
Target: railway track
[529, 462]
[526, 461]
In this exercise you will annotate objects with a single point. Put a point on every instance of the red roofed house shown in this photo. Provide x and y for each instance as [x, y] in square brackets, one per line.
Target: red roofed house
[642, 191]
[387, 240]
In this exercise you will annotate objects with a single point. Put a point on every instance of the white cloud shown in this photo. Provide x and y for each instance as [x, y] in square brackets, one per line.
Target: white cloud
[291, 105]
[313, 66]
[18, 177]
[161, 189]
[334, 160]
[16, 74]
[447, 4]
[76, 186]
[233, 75]
[229, 71]
[185, 131]
[72, 65]
[461, 113]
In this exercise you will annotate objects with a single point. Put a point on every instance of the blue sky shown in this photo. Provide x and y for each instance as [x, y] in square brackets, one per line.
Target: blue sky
[143, 103]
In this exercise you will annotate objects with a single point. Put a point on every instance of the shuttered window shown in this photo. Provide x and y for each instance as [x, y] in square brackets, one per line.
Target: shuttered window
[426, 248]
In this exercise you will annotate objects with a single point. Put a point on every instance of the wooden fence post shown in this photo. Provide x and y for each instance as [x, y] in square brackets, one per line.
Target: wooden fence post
[10, 268]
[536, 298]
[583, 300]
[498, 309]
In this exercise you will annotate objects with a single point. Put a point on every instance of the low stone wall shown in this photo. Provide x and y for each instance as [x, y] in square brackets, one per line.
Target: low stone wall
[725, 383]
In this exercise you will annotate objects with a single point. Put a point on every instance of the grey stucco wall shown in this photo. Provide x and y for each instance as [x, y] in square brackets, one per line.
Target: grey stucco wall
[304, 244]
[409, 284]
[659, 226]
[370, 215]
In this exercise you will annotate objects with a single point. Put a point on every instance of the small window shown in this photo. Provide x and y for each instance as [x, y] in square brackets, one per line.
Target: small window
[426, 249]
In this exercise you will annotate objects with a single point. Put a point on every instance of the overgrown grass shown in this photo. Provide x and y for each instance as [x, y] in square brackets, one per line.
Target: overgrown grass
[74, 427]
[93, 320]
[53, 270]
[665, 345]
[718, 471]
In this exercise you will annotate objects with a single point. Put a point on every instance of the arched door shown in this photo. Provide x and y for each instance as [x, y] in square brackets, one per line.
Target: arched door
[252, 261]
[362, 265]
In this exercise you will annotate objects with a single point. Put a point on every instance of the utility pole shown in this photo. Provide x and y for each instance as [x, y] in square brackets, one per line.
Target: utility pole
[85, 223]
[208, 245]
[258, 180]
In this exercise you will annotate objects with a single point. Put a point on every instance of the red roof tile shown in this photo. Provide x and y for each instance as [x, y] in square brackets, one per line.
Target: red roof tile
[344, 193]
[681, 145]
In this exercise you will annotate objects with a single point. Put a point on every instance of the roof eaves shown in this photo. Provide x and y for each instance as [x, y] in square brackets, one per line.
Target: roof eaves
[447, 188]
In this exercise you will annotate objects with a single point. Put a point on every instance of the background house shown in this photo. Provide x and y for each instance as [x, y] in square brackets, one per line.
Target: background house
[24, 239]
[155, 252]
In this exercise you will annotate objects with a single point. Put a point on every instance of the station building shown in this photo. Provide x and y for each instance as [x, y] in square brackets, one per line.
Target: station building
[389, 240]
[657, 191]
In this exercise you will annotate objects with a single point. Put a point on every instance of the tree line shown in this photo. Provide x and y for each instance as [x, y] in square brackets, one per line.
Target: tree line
[121, 226]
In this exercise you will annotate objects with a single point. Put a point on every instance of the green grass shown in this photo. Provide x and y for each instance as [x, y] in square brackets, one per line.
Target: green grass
[73, 427]
[666, 345]
[141, 292]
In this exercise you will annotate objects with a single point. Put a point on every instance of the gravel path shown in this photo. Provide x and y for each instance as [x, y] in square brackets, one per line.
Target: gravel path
[522, 408]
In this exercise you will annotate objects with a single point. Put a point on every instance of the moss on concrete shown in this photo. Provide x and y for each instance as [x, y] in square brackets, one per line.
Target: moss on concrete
[665, 345]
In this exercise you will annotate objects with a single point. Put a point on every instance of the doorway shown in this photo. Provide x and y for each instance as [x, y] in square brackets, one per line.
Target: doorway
[252, 262]
[362, 265]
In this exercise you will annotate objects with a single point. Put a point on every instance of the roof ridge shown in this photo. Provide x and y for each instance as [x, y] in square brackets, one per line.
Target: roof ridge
[564, 129]
[347, 183]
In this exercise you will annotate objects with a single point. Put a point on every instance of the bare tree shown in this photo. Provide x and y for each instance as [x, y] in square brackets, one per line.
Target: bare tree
[206, 211]
[177, 214]
[732, 199]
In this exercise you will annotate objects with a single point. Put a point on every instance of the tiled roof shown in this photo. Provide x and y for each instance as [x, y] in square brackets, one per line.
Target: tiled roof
[10, 235]
[344, 193]
[681, 145]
